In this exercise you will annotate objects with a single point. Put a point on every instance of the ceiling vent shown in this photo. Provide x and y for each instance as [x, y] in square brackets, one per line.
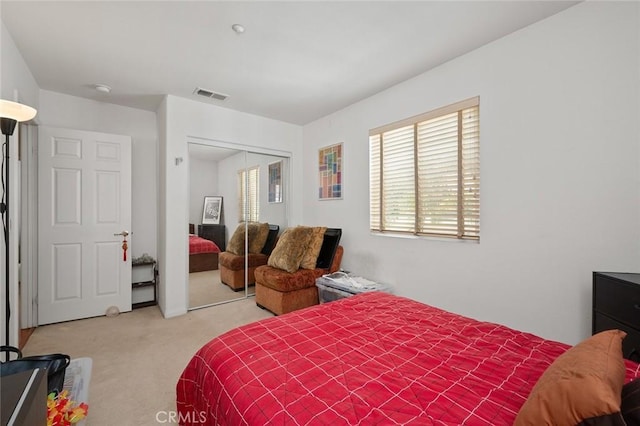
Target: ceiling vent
[209, 94]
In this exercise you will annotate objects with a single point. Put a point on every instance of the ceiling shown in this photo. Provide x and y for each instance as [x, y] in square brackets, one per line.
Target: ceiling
[295, 62]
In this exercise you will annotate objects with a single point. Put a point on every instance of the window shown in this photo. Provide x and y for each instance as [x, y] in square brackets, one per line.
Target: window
[425, 174]
[248, 183]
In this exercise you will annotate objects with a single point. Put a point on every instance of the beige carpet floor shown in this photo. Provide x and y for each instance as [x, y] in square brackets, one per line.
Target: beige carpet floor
[205, 288]
[138, 356]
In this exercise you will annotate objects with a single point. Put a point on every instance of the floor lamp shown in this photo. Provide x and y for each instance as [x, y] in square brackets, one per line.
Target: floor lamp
[10, 114]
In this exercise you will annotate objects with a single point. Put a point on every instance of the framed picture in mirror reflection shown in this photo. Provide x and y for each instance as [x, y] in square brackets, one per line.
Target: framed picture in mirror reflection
[275, 182]
[212, 210]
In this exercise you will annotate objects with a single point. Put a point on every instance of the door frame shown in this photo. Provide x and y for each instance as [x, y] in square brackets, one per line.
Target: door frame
[28, 134]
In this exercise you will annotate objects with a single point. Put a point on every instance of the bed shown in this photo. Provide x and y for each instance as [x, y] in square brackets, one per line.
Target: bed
[203, 254]
[373, 358]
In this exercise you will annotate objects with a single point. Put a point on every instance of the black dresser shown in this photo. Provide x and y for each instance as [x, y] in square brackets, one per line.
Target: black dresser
[215, 233]
[616, 304]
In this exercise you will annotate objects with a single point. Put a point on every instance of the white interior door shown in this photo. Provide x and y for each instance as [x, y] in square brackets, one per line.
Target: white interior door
[84, 200]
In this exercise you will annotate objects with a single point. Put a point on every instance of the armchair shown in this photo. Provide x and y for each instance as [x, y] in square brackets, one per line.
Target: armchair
[232, 265]
[281, 291]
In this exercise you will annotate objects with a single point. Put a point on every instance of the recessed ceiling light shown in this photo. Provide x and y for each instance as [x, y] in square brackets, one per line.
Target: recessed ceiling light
[103, 88]
[239, 29]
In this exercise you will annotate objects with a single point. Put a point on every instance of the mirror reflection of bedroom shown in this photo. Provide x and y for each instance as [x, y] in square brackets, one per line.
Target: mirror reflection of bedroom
[219, 178]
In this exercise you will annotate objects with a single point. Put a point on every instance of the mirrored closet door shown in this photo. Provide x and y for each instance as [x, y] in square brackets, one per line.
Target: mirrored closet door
[231, 190]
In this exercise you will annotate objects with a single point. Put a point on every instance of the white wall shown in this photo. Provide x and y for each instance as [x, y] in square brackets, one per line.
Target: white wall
[66, 111]
[560, 174]
[203, 181]
[15, 76]
[181, 120]
[16, 84]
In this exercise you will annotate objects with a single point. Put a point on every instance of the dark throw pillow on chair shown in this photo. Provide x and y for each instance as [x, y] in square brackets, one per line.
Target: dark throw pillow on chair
[330, 244]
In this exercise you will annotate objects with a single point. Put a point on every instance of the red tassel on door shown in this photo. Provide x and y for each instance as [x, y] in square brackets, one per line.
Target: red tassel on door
[124, 250]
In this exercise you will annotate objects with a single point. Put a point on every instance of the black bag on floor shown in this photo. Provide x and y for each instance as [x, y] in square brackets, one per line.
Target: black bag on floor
[55, 364]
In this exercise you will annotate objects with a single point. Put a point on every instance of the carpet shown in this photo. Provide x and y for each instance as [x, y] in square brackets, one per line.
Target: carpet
[138, 356]
[205, 289]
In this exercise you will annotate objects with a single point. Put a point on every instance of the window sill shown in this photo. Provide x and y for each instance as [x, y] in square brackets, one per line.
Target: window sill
[423, 237]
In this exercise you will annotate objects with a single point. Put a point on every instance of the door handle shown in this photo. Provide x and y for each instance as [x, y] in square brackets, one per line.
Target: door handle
[125, 246]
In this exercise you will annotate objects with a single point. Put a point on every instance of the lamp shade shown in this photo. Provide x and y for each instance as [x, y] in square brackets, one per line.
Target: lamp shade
[16, 111]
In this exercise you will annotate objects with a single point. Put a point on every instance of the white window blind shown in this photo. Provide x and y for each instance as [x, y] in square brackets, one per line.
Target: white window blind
[425, 174]
[248, 184]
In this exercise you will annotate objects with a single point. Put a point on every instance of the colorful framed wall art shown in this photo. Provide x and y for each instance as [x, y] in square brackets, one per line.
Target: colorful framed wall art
[330, 172]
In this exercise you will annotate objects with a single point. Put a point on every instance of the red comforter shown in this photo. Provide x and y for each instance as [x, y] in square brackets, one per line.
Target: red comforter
[368, 359]
[200, 245]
